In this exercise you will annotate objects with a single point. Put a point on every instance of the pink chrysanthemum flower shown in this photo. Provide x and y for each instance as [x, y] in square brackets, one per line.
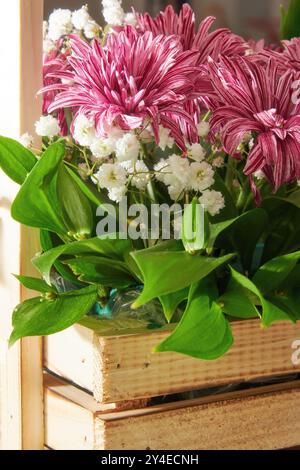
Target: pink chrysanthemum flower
[133, 79]
[222, 41]
[54, 62]
[287, 55]
[258, 99]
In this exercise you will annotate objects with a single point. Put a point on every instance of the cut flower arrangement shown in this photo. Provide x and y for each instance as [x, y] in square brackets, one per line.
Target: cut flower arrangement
[159, 113]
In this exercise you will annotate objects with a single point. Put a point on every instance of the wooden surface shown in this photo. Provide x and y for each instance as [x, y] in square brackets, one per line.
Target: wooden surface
[21, 59]
[264, 418]
[121, 368]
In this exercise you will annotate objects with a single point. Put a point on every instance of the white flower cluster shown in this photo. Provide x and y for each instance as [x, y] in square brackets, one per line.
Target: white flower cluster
[114, 14]
[47, 126]
[125, 146]
[179, 175]
[63, 22]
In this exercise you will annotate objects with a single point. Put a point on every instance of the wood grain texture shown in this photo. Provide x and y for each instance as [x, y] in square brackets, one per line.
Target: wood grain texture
[124, 367]
[265, 418]
[31, 40]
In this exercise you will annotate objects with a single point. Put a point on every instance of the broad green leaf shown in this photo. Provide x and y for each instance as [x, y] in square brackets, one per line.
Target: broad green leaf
[246, 233]
[290, 20]
[203, 331]
[15, 160]
[237, 302]
[36, 204]
[287, 304]
[294, 198]
[39, 317]
[35, 284]
[171, 301]
[100, 270]
[273, 273]
[76, 208]
[115, 249]
[270, 312]
[89, 189]
[165, 272]
[46, 241]
[195, 227]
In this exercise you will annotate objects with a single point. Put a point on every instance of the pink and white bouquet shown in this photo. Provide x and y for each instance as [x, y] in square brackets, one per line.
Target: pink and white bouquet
[168, 177]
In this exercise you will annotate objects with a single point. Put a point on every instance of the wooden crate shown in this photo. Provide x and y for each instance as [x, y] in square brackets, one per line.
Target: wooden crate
[123, 368]
[259, 418]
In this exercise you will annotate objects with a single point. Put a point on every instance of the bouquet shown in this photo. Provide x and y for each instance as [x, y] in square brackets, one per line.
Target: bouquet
[166, 189]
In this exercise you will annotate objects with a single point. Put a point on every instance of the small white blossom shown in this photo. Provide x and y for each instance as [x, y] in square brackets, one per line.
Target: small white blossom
[60, 23]
[26, 140]
[84, 130]
[251, 144]
[201, 176]
[130, 18]
[48, 45]
[196, 152]
[140, 173]
[111, 175]
[259, 175]
[160, 169]
[176, 191]
[127, 148]
[179, 168]
[102, 148]
[113, 12]
[91, 29]
[47, 126]
[212, 201]
[165, 139]
[218, 162]
[117, 194]
[80, 18]
[203, 129]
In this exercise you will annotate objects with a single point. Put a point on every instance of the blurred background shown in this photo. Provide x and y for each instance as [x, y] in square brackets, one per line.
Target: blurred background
[250, 18]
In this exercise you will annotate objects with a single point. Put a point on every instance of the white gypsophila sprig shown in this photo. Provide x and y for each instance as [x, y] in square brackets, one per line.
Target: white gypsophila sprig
[60, 24]
[130, 18]
[138, 172]
[117, 194]
[111, 176]
[91, 29]
[128, 148]
[26, 140]
[47, 126]
[165, 139]
[102, 148]
[212, 201]
[80, 18]
[201, 176]
[174, 173]
[203, 129]
[84, 130]
[196, 152]
[113, 12]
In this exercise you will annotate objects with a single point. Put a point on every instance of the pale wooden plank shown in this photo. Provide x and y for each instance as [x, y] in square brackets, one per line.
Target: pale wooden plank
[31, 40]
[264, 418]
[124, 367]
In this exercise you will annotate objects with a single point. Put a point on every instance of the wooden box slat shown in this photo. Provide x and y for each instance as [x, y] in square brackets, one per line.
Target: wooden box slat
[120, 368]
[261, 418]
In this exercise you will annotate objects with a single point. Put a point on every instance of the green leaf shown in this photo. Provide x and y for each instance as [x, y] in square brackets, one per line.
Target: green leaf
[36, 204]
[171, 301]
[35, 284]
[99, 270]
[15, 160]
[237, 302]
[76, 208]
[290, 21]
[165, 272]
[274, 272]
[115, 249]
[195, 227]
[39, 317]
[203, 331]
[270, 312]
[89, 189]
